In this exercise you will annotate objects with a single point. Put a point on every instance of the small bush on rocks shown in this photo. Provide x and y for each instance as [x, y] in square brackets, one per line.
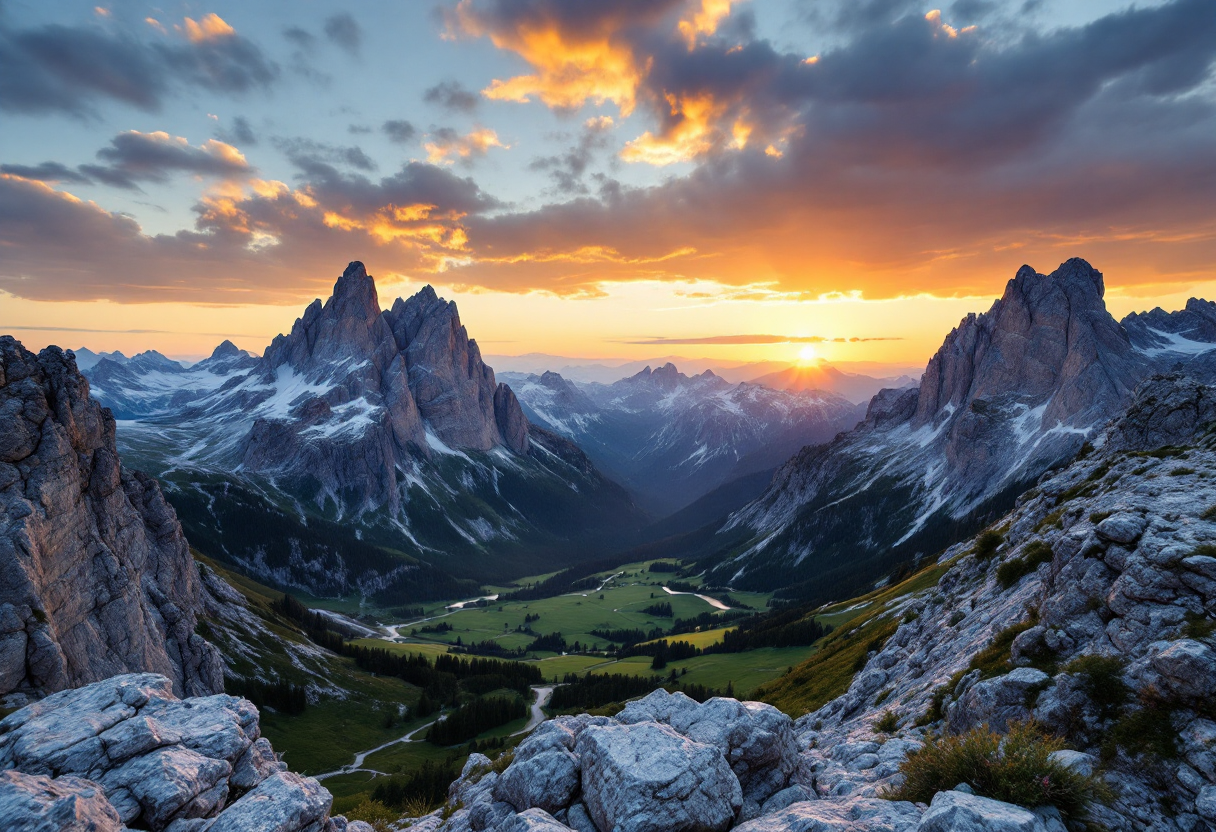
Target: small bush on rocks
[1014, 768]
[1198, 626]
[1103, 679]
[1014, 569]
[1149, 729]
[987, 544]
[888, 723]
[373, 812]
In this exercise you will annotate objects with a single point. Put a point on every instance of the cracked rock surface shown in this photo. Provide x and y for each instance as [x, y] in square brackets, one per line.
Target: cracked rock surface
[96, 577]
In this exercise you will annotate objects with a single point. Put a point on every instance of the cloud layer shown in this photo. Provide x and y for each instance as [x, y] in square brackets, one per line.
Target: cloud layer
[918, 154]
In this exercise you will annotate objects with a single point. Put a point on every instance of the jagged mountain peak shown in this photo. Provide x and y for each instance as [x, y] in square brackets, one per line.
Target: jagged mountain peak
[226, 349]
[1048, 338]
[1011, 393]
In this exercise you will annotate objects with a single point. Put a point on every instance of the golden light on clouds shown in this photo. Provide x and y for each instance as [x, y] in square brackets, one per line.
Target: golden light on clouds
[208, 27]
[444, 150]
[694, 132]
[704, 21]
[571, 68]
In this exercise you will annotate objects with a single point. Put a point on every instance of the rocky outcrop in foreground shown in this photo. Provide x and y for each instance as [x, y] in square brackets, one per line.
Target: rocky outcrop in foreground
[126, 753]
[96, 577]
[663, 763]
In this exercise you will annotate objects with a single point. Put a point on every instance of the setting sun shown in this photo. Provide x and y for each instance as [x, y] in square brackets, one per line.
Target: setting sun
[806, 355]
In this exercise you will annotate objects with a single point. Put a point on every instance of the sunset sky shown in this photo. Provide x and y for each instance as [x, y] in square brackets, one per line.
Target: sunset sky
[598, 178]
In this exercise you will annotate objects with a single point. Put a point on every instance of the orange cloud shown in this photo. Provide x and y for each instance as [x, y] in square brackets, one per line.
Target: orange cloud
[208, 27]
[704, 21]
[573, 64]
[444, 148]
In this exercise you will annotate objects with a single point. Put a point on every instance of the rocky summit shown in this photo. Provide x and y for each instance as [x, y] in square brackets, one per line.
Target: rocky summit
[96, 577]
[1010, 393]
[128, 754]
[367, 451]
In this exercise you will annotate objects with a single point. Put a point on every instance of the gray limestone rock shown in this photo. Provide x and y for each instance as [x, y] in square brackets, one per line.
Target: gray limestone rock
[36, 803]
[647, 778]
[843, 815]
[996, 702]
[1188, 668]
[160, 763]
[547, 780]
[285, 802]
[757, 740]
[99, 579]
[1124, 527]
[959, 812]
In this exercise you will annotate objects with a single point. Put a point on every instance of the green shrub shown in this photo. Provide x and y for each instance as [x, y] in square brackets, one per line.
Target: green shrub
[375, 813]
[1014, 768]
[987, 544]
[1053, 519]
[1209, 513]
[1198, 626]
[993, 660]
[1204, 549]
[1014, 569]
[1147, 730]
[1098, 516]
[1103, 682]
[1181, 472]
[888, 723]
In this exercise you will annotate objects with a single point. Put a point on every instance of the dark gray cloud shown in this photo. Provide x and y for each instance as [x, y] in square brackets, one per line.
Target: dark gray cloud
[452, 95]
[399, 131]
[567, 169]
[309, 155]
[133, 157]
[69, 69]
[152, 157]
[343, 30]
[46, 172]
[301, 38]
[240, 133]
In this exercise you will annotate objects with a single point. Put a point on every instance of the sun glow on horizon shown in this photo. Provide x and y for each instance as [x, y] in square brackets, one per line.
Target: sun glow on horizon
[806, 355]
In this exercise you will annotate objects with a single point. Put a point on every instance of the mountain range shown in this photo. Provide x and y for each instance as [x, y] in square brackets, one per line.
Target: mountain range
[672, 438]
[366, 451]
[1011, 394]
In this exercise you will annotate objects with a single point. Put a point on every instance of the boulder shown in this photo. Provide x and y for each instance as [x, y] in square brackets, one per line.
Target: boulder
[847, 815]
[1188, 668]
[545, 781]
[36, 803]
[996, 702]
[1080, 762]
[959, 812]
[533, 820]
[756, 739]
[1123, 527]
[648, 778]
[285, 802]
[156, 762]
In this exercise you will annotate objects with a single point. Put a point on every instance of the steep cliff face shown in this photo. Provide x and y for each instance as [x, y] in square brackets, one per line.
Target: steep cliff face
[95, 574]
[1010, 394]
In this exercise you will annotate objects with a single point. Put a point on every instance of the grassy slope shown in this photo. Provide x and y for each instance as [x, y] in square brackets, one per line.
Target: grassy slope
[861, 625]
